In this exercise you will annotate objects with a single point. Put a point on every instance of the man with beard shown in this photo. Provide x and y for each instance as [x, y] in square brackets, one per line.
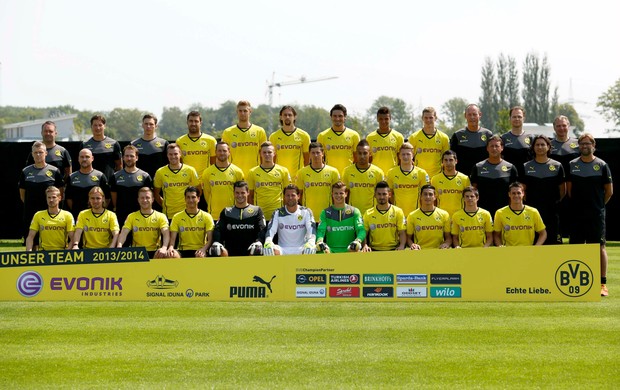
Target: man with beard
[291, 142]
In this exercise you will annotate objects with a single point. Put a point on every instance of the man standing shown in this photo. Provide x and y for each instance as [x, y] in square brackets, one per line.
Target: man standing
[450, 184]
[33, 182]
[429, 143]
[82, 181]
[470, 143]
[428, 227]
[291, 143]
[493, 176]
[361, 178]
[171, 181]
[563, 148]
[341, 228]
[294, 225]
[471, 226]
[245, 139]
[148, 228]
[590, 187]
[217, 180]
[515, 224]
[406, 180]
[267, 181]
[339, 141]
[385, 142]
[516, 143]
[385, 225]
[193, 227]
[106, 151]
[57, 155]
[152, 148]
[126, 183]
[238, 230]
[197, 148]
[315, 180]
[54, 225]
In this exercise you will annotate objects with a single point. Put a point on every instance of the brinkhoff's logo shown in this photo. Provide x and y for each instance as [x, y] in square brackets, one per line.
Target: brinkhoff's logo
[252, 291]
[162, 283]
[29, 284]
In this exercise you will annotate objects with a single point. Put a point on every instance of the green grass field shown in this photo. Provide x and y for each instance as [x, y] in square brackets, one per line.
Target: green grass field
[312, 345]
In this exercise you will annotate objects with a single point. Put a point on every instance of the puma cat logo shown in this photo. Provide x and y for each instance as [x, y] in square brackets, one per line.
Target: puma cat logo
[260, 280]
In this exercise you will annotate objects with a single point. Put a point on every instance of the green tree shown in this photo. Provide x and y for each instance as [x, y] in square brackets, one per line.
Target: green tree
[124, 124]
[507, 82]
[173, 123]
[402, 114]
[313, 119]
[609, 104]
[453, 114]
[569, 111]
[536, 88]
[503, 124]
[488, 98]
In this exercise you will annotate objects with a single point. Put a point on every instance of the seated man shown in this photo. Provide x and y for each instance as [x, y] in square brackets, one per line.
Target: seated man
[341, 228]
[193, 227]
[429, 226]
[294, 225]
[471, 226]
[515, 224]
[237, 232]
[384, 223]
[149, 228]
[54, 225]
[98, 224]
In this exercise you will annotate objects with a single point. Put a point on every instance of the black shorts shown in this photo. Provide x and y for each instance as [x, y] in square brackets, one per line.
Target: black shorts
[588, 229]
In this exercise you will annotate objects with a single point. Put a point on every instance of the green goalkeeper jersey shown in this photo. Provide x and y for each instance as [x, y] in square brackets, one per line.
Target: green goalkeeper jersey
[339, 227]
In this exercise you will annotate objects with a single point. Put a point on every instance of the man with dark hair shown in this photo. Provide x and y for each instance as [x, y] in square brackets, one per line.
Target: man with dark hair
[470, 142]
[294, 225]
[493, 176]
[516, 224]
[53, 225]
[238, 230]
[291, 142]
[589, 188]
[385, 225]
[429, 143]
[339, 141]
[197, 148]
[361, 178]
[192, 226]
[450, 184]
[472, 226]
[107, 154]
[406, 180]
[217, 180]
[57, 155]
[245, 139]
[428, 227]
[385, 142]
[516, 143]
[152, 148]
[315, 180]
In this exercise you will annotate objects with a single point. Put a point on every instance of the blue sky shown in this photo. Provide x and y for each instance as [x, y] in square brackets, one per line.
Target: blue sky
[153, 54]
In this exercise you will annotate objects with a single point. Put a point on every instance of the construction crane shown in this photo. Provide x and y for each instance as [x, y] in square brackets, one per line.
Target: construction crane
[301, 80]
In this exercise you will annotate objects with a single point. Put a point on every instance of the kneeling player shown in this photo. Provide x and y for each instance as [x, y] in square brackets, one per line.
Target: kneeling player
[515, 224]
[194, 228]
[341, 228]
[237, 233]
[294, 226]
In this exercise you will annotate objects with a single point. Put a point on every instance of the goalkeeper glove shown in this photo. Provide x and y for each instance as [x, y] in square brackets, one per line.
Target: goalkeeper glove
[355, 246]
[309, 248]
[216, 249]
[268, 248]
[322, 247]
[256, 249]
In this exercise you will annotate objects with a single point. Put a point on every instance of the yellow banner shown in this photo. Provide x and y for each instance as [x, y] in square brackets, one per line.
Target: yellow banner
[549, 273]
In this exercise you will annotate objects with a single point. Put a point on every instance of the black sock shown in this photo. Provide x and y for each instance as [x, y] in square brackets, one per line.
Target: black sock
[603, 279]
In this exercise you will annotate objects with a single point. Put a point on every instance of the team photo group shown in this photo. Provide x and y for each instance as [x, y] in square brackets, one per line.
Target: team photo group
[251, 193]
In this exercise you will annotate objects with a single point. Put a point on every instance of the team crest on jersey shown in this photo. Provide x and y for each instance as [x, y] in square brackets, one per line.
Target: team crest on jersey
[158, 144]
[296, 138]
[459, 182]
[348, 211]
[573, 145]
[597, 167]
[48, 173]
[139, 178]
[528, 141]
[348, 139]
[250, 210]
[252, 135]
[57, 153]
[483, 137]
[300, 217]
[527, 217]
[505, 168]
[94, 178]
[108, 146]
[552, 168]
[371, 176]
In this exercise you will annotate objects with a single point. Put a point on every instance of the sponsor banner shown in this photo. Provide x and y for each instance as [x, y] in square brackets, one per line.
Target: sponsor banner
[344, 292]
[411, 279]
[310, 292]
[570, 273]
[378, 279]
[344, 279]
[66, 257]
[445, 279]
[411, 292]
[378, 292]
[311, 279]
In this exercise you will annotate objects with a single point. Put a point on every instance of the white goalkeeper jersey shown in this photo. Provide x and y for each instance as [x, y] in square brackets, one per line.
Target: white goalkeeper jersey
[293, 229]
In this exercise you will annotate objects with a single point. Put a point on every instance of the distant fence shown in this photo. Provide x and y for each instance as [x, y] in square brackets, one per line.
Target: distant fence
[13, 159]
